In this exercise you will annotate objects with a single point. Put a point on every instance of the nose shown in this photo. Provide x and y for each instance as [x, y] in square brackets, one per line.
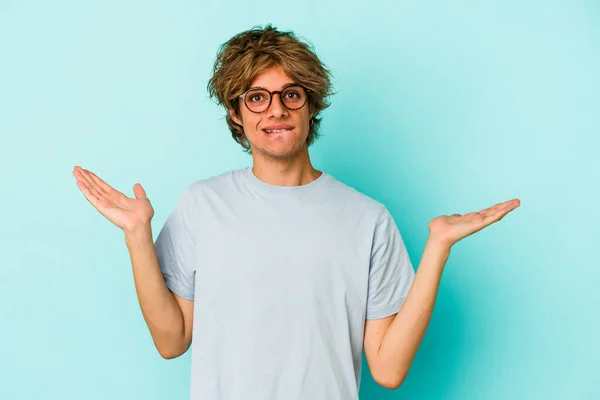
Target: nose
[277, 109]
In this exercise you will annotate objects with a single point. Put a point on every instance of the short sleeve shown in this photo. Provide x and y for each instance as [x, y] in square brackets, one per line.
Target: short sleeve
[390, 272]
[175, 247]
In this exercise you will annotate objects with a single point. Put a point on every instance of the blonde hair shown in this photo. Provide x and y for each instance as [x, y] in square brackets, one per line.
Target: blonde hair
[246, 55]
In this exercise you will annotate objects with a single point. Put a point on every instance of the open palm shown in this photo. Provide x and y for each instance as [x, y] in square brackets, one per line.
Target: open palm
[125, 212]
[449, 229]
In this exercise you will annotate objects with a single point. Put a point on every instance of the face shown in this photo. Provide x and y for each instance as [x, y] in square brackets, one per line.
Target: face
[278, 145]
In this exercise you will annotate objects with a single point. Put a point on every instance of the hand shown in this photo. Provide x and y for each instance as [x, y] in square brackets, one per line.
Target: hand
[450, 229]
[125, 212]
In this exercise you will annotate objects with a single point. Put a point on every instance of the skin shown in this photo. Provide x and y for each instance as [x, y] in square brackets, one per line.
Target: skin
[391, 343]
[282, 159]
[168, 316]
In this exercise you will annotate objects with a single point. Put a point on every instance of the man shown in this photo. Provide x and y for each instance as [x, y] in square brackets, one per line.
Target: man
[279, 273]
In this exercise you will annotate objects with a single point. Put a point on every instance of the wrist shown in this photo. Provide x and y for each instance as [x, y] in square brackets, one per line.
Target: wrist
[138, 232]
[435, 243]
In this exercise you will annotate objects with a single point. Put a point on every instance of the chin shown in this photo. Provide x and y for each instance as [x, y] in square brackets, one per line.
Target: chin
[279, 149]
[277, 153]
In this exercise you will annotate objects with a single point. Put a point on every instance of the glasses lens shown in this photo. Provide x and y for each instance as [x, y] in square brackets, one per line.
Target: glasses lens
[293, 97]
[257, 100]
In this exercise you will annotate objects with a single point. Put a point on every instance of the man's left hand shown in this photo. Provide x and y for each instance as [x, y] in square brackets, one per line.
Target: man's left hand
[449, 229]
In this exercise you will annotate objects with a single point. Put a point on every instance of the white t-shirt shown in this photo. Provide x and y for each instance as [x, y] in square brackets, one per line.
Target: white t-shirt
[282, 278]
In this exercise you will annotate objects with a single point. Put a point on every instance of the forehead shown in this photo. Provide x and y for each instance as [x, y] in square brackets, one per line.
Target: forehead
[273, 78]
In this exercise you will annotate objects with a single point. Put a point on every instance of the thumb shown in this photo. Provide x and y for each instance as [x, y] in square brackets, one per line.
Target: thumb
[139, 191]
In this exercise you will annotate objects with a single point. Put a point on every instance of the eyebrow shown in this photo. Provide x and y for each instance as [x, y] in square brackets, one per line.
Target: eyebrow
[283, 87]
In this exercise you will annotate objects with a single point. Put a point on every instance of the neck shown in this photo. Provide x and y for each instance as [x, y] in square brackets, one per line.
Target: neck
[285, 172]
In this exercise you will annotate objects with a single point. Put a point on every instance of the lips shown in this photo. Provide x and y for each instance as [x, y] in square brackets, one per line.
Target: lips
[277, 128]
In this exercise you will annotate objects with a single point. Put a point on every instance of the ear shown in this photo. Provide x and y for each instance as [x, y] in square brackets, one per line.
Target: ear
[234, 117]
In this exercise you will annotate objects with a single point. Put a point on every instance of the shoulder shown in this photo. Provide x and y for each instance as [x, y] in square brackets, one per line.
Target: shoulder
[357, 200]
[214, 189]
[216, 183]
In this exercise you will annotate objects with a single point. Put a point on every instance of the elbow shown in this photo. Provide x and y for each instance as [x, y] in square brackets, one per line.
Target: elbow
[391, 382]
[170, 353]
[171, 347]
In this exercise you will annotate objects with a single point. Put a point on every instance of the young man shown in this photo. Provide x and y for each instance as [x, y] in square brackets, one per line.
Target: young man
[279, 273]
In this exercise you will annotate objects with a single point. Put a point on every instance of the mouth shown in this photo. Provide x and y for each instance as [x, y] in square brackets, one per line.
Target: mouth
[276, 131]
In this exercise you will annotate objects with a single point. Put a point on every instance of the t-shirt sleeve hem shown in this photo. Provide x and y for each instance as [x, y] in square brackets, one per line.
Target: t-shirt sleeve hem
[386, 311]
[179, 290]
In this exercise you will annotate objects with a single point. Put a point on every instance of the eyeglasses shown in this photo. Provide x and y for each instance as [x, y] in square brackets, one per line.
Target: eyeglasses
[258, 100]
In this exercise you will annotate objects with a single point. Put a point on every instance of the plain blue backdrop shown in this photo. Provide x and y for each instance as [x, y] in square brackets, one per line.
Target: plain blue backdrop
[441, 108]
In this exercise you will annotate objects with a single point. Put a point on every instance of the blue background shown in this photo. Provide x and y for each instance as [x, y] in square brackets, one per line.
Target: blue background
[441, 108]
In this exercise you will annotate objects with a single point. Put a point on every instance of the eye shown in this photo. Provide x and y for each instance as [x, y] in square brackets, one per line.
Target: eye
[256, 97]
[292, 94]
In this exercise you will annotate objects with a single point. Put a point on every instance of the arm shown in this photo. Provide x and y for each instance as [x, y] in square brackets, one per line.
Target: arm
[168, 316]
[391, 343]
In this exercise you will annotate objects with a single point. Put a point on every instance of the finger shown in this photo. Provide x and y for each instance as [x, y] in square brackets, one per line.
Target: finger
[492, 208]
[87, 193]
[510, 204]
[139, 191]
[92, 182]
[501, 212]
[103, 185]
[85, 180]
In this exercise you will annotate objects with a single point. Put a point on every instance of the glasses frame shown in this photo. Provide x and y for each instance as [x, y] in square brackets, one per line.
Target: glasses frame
[271, 95]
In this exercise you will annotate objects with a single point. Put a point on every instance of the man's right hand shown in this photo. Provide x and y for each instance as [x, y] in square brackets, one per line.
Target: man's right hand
[125, 212]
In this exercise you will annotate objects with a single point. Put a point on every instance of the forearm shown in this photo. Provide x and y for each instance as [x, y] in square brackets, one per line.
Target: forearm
[404, 335]
[159, 308]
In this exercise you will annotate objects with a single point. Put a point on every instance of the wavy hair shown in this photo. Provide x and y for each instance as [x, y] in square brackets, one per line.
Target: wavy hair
[247, 54]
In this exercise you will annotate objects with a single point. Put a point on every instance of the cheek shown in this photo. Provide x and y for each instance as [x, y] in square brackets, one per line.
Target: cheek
[250, 123]
[306, 121]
